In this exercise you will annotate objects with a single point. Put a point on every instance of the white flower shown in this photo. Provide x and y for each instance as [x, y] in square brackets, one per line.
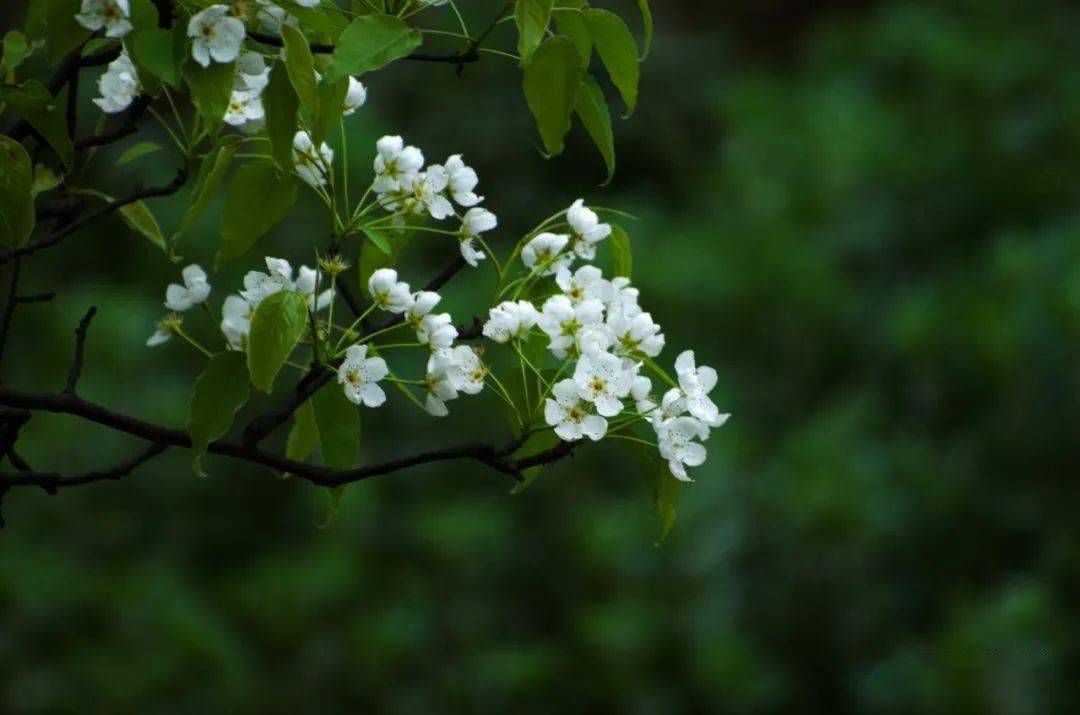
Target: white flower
[311, 167]
[463, 181]
[601, 380]
[159, 336]
[166, 328]
[675, 438]
[440, 388]
[635, 333]
[195, 290]
[568, 415]
[271, 16]
[109, 14]
[587, 229]
[215, 35]
[236, 321]
[465, 369]
[118, 86]
[422, 303]
[641, 392]
[388, 292]
[696, 383]
[359, 373]
[307, 3]
[423, 192]
[306, 283]
[354, 97]
[252, 74]
[437, 331]
[258, 285]
[475, 221]
[509, 320]
[562, 319]
[244, 107]
[394, 163]
[544, 253]
[621, 296]
[585, 282]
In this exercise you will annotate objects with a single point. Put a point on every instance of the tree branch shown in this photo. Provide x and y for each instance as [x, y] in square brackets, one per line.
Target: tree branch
[126, 128]
[80, 342]
[466, 56]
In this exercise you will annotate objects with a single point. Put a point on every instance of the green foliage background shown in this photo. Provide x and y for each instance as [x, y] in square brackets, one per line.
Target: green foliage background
[863, 214]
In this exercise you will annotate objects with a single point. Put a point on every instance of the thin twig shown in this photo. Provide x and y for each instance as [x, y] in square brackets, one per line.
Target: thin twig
[80, 344]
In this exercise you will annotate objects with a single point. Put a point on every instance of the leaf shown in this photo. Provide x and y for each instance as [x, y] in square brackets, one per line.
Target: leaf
[45, 179]
[34, 104]
[281, 104]
[532, 18]
[16, 48]
[211, 89]
[379, 240]
[323, 19]
[300, 66]
[538, 442]
[16, 201]
[220, 391]
[646, 17]
[153, 48]
[304, 435]
[136, 151]
[211, 175]
[370, 42]
[618, 51]
[62, 32]
[664, 487]
[592, 110]
[277, 325]
[137, 216]
[572, 24]
[620, 250]
[258, 198]
[336, 495]
[373, 257]
[331, 102]
[551, 82]
[339, 427]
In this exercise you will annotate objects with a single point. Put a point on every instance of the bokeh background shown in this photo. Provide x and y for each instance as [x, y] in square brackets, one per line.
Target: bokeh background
[864, 214]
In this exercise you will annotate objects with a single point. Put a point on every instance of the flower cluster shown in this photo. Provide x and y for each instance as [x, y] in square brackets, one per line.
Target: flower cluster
[119, 85]
[110, 15]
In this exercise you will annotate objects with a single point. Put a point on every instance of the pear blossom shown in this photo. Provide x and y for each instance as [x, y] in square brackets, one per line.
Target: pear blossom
[675, 438]
[359, 375]
[252, 74]
[544, 253]
[635, 333]
[463, 181]
[587, 229]
[422, 303]
[586, 282]
[601, 380]
[641, 393]
[307, 3]
[510, 320]
[440, 387]
[271, 16]
[119, 85]
[215, 35]
[244, 106]
[395, 163]
[475, 221]
[696, 383]
[569, 416]
[259, 285]
[423, 193]
[195, 290]
[311, 166]
[561, 319]
[621, 296]
[112, 15]
[166, 328]
[236, 321]
[388, 292]
[307, 281]
[465, 369]
[437, 331]
[355, 97]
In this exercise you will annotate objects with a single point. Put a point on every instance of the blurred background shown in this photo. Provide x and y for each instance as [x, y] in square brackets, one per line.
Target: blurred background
[864, 214]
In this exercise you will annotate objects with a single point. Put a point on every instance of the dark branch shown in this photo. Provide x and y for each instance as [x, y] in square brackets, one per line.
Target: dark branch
[36, 297]
[126, 128]
[51, 240]
[465, 56]
[80, 343]
[51, 481]
[9, 307]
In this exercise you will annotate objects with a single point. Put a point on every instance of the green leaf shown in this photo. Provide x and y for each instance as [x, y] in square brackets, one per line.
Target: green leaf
[300, 66]
[45, 179]
[34, 104]
[325, 19]
[336, 495]
[618, 51]
[136, 151]
[16, 48]
[152, 48]
[304, 435]
[277, 325]
[258, 198]
[373, 256]
[370, 42]
[379, 240]
[538, 442]
[663, 486]
[646, 17]
[532, 18]
[339, 427]
[16, 201]
[592, 110]
[620, 250]
[137, 216]
[572, 24]
[220, 392]
[62, 32]
[211, 89]
[331, 103]
[211, 175]
[551, 80]
[281, 104]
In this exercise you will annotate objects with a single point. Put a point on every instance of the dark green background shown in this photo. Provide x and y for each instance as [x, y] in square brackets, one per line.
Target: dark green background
[864, 214]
